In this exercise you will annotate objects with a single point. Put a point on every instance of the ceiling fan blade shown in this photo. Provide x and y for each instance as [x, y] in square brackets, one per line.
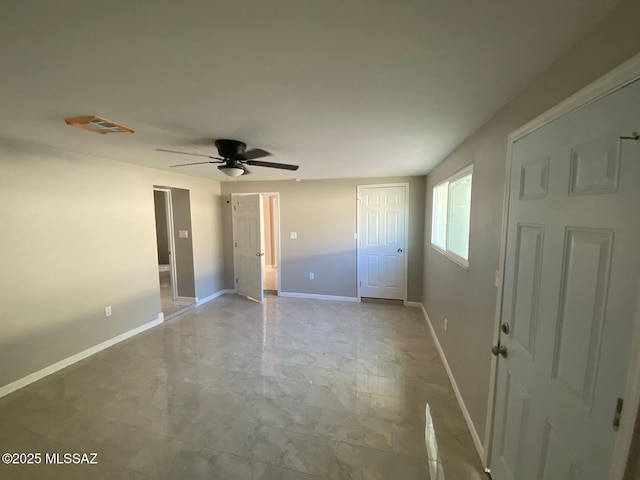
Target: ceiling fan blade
[252, 154]
[187, 153]
[282, 166]
[194, 163]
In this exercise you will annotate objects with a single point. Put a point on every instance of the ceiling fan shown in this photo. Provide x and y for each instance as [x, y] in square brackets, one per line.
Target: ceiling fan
[233, 158]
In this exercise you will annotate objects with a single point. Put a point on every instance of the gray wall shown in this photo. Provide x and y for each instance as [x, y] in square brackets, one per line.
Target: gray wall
[78, 234]
[323, 213]
[181, 208]
[162, 237]
[467, 298]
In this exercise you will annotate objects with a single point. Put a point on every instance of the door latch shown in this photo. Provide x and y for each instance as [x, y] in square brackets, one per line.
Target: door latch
[499, 350]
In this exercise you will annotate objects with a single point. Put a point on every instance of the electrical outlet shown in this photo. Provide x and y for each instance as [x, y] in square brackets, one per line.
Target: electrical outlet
[312, 276]
[107, 311]
[446, 324]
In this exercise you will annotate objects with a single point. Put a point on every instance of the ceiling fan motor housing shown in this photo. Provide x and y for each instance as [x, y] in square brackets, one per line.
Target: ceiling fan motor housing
[230, 148]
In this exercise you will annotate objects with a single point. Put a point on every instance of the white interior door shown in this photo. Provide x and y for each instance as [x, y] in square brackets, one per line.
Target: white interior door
[382, 243]
[570, 293]
[248, 251]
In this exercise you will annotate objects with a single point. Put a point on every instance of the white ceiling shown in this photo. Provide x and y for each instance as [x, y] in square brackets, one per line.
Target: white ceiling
[344, 88]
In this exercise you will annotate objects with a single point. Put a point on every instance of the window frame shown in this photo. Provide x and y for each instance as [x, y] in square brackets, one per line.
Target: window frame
[463, 172]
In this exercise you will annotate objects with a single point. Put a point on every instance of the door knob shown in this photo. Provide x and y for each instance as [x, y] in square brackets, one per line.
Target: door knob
[505, 328]
[400, 250]
[499, 350]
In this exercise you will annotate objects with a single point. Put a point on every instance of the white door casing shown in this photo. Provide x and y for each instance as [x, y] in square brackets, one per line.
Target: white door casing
[248, 250]
[168, 204]
[570, 292]
[382, 247]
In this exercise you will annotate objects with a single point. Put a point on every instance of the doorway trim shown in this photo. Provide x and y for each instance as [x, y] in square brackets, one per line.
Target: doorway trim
[172, 243]
[406, 234]
[277, 225]
[616, 79]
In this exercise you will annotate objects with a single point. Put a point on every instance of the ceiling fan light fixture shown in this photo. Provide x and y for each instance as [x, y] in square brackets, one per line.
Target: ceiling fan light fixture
[230, 170]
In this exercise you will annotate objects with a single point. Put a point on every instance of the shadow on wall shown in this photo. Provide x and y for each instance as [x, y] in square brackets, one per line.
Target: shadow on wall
[44, 345]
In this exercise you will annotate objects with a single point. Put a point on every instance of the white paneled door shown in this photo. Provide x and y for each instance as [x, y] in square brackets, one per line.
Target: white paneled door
[382, 243]
[570, 293]
[248, 251]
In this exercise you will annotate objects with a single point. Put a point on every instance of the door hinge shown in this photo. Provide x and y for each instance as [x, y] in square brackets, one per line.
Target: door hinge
[360, 283]
[236, 280]
[618, 414]
[234, 208]
[236, 243]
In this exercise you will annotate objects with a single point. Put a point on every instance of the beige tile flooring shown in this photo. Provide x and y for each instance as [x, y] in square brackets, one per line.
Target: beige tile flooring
[290, 390]
[169, 305]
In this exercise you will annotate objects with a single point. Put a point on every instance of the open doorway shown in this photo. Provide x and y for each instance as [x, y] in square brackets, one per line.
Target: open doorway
[271, 237]
[256, 244]
[175, 250]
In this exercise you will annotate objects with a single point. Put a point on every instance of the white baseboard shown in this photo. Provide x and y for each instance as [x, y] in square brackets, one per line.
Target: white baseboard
[213, 296]
[186, 299]
[315, 296]
[35, 376]
[465, 413]
[408, 303]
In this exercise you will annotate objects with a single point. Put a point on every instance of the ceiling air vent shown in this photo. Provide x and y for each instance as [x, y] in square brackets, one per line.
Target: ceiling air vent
[98, 125]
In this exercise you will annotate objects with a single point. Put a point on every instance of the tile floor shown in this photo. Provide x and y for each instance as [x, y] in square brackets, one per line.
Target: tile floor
[292, 390]
[169, 305]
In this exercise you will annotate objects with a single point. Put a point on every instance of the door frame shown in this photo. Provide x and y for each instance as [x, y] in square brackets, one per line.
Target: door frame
[618, 78]
[406, 233]
[172, 242]
[277, 226]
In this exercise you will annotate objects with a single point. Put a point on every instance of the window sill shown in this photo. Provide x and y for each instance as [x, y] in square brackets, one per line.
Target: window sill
[452, 256]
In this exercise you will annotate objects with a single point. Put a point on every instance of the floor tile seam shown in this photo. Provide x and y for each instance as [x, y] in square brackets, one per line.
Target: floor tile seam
[323, 437]
[128, 426]
[237, 393]
[353, 444]
[55, 440]
[338, 442]
[308, 435]
[144, 477]
[333, 450]
[323, 477]
[285, 364]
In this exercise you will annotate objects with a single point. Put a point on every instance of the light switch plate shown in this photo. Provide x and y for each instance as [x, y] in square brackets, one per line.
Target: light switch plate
[293, 235]
[183, 233]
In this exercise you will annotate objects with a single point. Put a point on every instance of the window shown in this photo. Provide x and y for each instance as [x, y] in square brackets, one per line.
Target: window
[451, 215]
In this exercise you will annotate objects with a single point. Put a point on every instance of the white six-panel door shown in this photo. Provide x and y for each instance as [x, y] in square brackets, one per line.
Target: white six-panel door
[570, 292]
[382, 242]
[248, 251]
